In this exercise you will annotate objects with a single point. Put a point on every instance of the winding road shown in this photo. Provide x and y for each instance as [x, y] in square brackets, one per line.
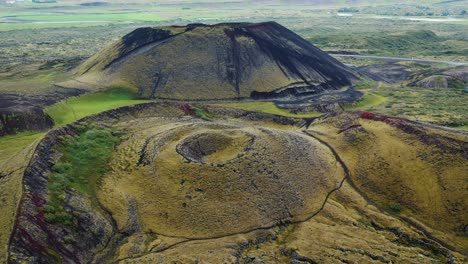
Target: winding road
[454, 63]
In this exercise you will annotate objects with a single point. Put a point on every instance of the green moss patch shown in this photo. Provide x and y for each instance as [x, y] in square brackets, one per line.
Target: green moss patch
[85, 158]
[368, 101]
[394, 207]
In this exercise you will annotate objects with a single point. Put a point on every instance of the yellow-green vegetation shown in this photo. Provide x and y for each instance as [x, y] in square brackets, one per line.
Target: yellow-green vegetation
[28, 26]
[443, 106]
[85, 158]
[210, 77]
[215, 193]
[202, 113]
[198, 187]
[367, 102]
[393, 167]
[414, 43]
[74, 108]
[11, 145]
[348, 223]
[401, 174]
[462, 127]
[11, 184]
[394, 207]
[93, 18]
[267, 107]
[31, 81]
[365, 83]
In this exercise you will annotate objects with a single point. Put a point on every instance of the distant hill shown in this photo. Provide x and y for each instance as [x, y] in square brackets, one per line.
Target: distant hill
[223, 61]
[456, 78]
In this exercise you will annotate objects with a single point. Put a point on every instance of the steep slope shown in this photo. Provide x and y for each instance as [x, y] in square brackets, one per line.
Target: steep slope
[223, 61]
[211, 184]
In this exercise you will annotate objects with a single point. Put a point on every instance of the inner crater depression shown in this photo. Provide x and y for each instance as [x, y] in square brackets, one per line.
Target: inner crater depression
[214, 146]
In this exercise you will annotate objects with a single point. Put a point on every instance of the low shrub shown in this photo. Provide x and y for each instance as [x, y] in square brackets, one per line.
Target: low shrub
[395, 207]
[85, 158]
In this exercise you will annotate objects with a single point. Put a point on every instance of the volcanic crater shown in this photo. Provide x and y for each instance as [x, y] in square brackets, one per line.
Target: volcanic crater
[238, 178]
[215, 62]
[179, 187]
[217, 147]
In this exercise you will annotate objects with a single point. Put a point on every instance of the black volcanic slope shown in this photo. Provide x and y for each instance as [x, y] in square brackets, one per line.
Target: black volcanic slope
[223, 61]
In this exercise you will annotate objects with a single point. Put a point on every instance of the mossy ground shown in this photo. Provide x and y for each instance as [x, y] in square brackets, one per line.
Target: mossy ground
[11, 182]
[442, 106]
[75, 108]
[394, 169]
[439, 106]
[412, 43]
[267, 107]
[85, 158]
[215, 194]
[31, 81]
[368, 101]
[11, 145]
[349, 227]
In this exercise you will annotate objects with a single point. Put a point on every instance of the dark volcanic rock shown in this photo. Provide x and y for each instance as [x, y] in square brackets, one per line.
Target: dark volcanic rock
[452, 78]
[33, 119]
[223, 61]
[329, 101]
[17, 115]
[26, 113]
[387, 72]
[34, 240]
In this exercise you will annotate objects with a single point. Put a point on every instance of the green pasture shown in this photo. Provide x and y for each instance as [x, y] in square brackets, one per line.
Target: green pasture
[74, 108]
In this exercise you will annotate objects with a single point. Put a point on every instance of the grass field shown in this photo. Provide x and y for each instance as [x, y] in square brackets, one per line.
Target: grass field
[63, 34]
[369, 101]
[435, 105]
[75, 108]
[33, 84]
[442, 106]
[11, 145]
[267, 107]
[409, 43]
